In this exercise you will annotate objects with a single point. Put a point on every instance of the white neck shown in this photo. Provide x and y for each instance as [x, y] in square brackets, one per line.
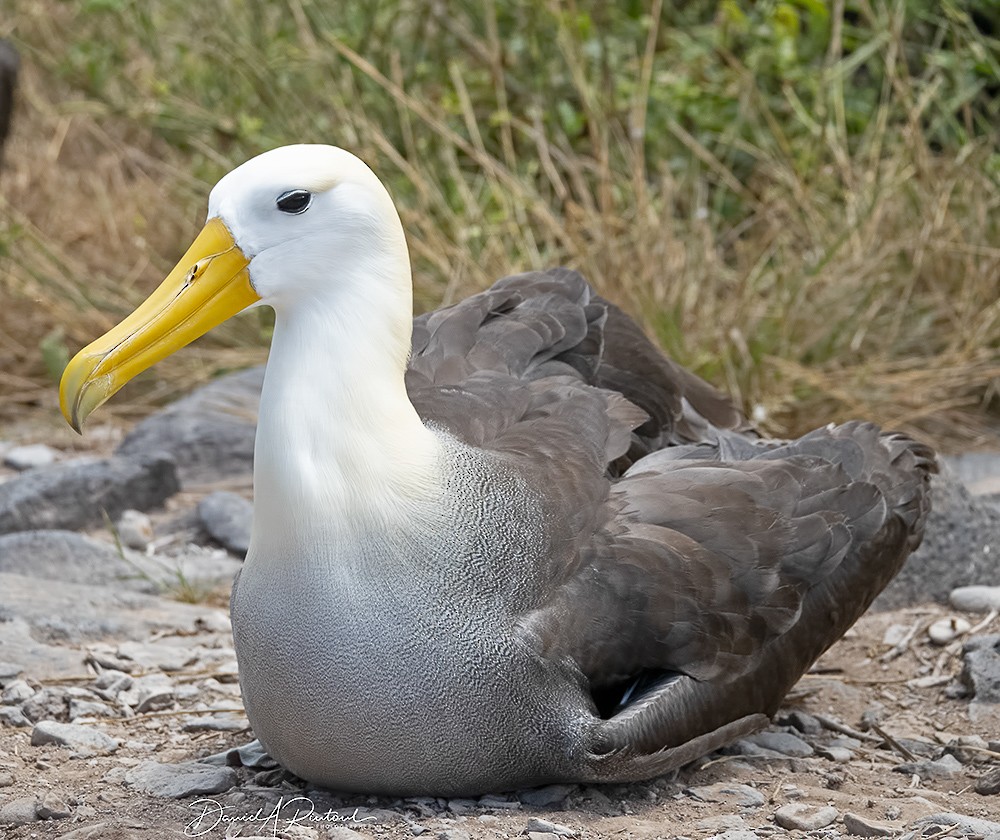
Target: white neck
[339, 445]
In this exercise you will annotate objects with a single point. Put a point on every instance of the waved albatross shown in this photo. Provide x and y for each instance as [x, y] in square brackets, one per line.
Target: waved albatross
[506, 543]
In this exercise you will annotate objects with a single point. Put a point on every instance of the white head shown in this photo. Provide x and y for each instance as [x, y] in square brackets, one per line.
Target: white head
[307, 229]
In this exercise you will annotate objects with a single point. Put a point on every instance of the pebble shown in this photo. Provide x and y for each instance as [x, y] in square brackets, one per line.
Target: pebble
[174, 781]
[546, 797]
[13, 716]
[228, 517]
[946, 630]
[538, 824]
[782, 742]
[743, 796]
[17, 692]
[19, 812]
[798, 816]
[975, 599]
[499, 802]
[737, 834]
[864, 827]
[52, 807]
[342, 832]
[454, 834]
[838, 754]
[989, 782]
[82, 738]
[943, 768]
[6, 780]
[29, 457]
[803, 721]
[135, 529]
[541, 835]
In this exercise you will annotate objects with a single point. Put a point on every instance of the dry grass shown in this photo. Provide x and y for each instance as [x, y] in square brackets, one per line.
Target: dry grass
[864, 284]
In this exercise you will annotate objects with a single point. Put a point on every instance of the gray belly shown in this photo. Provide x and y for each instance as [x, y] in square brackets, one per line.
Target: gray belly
[383, 689]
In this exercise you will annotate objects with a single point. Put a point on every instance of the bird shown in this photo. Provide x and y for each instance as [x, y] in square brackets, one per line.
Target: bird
[509, 542]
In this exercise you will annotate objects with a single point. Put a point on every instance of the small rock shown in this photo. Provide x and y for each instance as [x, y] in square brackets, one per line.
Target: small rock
[50, 703]
[135, 529]
[29, 457]
[52, 807]
[81, 738]
[342, 832]
[89, 709]
[738, 834]
[838, 754]
[17, 692]
[798, 816]
[13, 716]
[965, 826]
[981, 668]
[782, 742]
[721, 822]
[174, 781]
[546, 797]
[989, 782]
[969, 749]
[454, 834]
[945, 630]
[541, 835]
[228, 518]
[975, 599]
[538, 824]
[19, 812]
[803, 721]
[215, 621]
[943, 768]
[864, 827]
[111, 683]
[154, 697]
[95, 831]
[6, 780]
[742, 796]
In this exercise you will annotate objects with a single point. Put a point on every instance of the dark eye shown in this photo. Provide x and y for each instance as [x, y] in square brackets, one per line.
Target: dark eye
[294, 201]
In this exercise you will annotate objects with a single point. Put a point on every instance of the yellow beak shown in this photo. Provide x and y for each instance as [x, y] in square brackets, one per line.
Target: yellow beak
[210, 284]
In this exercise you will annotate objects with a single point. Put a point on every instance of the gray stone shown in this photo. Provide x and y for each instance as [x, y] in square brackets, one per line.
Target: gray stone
[541, 835]
[17, 692]
[111, 683]
[174, 781]
[961, 547]
[68, 558]
[782, 742]
[799, 816]
[13, 716]
[209, 434]
[961, 825]
[538, 824]
[81, 738]
[135, 529]
[94, 831]
[945, 767]
[52, 807]
[50, 703]
[6, 780]
[838, 754]
[78, 494]
[228, 518]
[89, 709]
[736, 834]
[802, 721]
[341, 832]
[981, 668]
[150, 693]
[454, 834]
[989, 783]
[159, 654]
[975, 599]
[720, 823]
[863, 827]
[499, 802]
[726, 793]
[30, 456]
[19, 812]
[45, 625]
[546, 797]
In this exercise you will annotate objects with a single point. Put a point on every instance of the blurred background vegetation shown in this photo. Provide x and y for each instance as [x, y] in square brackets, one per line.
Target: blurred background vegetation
[800, 199]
